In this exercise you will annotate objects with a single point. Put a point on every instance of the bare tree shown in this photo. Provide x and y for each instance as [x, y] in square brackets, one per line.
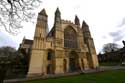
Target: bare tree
[110, 47]
[14, 12]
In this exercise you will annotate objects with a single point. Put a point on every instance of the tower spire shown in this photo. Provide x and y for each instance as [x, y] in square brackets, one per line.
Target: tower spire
[85, 26]
[57, 13]
[77, 20]
[85, 29]
[41, 26]
[43, 12]
[57, 16]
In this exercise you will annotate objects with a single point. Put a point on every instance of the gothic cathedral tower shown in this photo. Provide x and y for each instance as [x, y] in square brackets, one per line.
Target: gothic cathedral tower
[38, 53]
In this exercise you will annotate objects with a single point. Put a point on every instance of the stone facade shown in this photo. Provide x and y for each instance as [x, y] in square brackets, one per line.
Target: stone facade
[66, 48]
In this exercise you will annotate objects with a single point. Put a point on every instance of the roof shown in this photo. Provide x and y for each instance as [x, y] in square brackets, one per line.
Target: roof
[27, 41]
[51, 33]
[122, 50]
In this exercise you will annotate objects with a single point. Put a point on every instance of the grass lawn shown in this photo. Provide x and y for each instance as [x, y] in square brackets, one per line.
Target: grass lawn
[115, 76]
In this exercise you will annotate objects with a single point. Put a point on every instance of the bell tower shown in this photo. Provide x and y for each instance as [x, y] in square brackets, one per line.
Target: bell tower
[38, 53]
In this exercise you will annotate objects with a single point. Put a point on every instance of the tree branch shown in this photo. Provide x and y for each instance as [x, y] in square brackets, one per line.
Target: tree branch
[14, 12]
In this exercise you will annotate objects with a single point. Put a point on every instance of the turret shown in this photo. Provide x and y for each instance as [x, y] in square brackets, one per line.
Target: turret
[85, 26]
[43, 13]
[41, 30]
[90, 44]
[77, 20]
[42, 16]
[42, 26]
[57, 24]
[57, 16]
[86, 30]
[58, 41]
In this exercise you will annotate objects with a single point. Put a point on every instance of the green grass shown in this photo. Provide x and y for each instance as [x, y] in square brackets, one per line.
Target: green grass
[115, 76]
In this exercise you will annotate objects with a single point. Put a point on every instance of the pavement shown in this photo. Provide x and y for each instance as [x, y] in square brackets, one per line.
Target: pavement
[99, 69]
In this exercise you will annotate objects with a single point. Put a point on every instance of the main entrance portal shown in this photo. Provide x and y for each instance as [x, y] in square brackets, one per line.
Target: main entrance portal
[73, 62]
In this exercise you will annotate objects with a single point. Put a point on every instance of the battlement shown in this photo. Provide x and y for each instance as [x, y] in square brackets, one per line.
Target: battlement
[66, 21]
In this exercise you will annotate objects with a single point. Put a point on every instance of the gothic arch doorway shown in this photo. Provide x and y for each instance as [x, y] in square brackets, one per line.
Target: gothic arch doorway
[49, 69]
[73, 61]
[50, 59]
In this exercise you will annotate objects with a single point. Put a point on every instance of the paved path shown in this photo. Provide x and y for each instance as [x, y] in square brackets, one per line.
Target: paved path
[101, 68]
[104, 68]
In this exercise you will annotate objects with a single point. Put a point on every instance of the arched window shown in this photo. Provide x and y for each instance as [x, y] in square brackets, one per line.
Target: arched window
[70, 38]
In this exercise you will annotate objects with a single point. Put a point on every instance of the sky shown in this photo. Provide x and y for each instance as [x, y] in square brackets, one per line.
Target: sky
[106, 20]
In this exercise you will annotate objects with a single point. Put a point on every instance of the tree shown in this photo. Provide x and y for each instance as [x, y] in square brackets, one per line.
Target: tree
[14, 12]
[110, 47]
[6, 57]
[7, 52]
[9, 58]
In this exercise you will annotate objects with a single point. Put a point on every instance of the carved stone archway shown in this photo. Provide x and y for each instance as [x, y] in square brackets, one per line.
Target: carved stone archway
[73, 62]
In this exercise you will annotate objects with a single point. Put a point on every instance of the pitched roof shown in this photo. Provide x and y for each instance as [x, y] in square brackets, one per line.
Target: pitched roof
[27, 41]
[51, 33]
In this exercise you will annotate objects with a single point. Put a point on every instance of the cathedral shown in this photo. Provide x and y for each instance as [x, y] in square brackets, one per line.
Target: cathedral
[67, 47]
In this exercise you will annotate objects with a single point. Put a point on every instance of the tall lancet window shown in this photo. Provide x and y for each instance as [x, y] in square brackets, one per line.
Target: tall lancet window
[70, 38]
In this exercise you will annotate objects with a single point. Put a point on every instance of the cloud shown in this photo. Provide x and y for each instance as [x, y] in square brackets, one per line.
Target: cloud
[122, 23]
[117, 35]
[6, 40]
[118, 38]
[104, 37]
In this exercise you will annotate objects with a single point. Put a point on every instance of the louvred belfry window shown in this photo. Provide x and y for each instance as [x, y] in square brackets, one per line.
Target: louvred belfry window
[70, 38]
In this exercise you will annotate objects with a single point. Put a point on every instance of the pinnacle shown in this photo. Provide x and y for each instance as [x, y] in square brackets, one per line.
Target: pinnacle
[57, 11]
[43, 12]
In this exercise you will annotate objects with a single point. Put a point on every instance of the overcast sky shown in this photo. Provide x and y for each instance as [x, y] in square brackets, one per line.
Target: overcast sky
[106, 20]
